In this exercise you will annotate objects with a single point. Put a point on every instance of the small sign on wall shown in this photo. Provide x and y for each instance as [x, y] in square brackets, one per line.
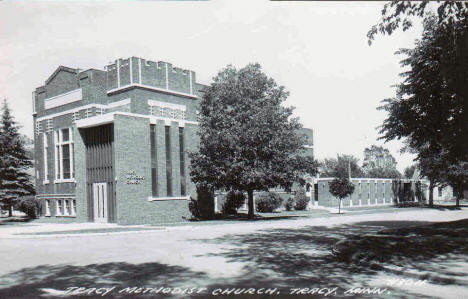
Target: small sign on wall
[132, 178]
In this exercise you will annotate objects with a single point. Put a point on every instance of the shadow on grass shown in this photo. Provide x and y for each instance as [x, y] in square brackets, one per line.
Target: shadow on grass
[303, 258]
[29, 282]
[15, 220]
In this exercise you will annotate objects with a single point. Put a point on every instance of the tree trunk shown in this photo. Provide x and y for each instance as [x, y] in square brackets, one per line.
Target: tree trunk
[431, 194]
[10, 211]
[251, 204]
[339, 207]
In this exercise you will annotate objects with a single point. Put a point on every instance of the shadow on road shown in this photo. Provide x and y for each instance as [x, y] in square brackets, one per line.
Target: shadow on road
[27, 283]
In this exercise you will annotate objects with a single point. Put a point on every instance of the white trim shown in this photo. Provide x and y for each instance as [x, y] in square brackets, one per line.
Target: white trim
[71, 111]
[167, 105]
[33, 95]
[61, 153]
[63, 99]
[55, 196]
[119, 103]
[150, 198]
[139, 70]
[56, 141]
[72, 149]
[167, 78]
[95, 120]
[358, 179]
[130, 67]
[191, 87]
[109, 118]
[153, 88]
[58, 181]
[46, 168]
[118, 73]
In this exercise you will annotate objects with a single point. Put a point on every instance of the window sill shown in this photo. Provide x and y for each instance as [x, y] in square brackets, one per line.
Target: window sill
[45, 182]
[58, 181]
[65, 216]
[169, 198]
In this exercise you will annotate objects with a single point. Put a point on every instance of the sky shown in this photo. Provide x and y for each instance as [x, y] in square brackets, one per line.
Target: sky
[317, 50]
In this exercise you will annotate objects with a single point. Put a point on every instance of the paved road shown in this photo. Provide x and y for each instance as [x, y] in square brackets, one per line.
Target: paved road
[280, 253]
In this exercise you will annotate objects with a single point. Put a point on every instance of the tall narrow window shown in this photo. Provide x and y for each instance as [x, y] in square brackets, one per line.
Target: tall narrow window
[59, 208]
[46, 167]
[183, 190]
[168, 161]
[64, 159]
[47, 207]
[73, 210]
[154, 161]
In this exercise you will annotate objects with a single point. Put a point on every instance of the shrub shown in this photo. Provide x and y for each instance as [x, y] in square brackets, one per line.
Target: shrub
[234, 200]
[267, 202]
[203, 206]
[193, 208]
[30, 206]
[301, 200]
[289, 205]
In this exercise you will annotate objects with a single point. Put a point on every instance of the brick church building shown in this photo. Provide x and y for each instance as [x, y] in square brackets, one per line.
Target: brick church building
[111, 145]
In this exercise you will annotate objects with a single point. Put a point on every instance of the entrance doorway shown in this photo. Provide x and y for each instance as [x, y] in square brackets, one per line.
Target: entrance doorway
[100, 177]
[100, 202]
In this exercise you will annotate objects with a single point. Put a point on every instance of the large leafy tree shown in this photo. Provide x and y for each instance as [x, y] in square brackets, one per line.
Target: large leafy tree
[400, 14]
[248, 139]
[429, 110]
[341, 166]
[15, 182]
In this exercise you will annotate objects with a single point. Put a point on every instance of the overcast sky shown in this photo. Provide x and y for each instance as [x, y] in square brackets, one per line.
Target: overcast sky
[318, 50]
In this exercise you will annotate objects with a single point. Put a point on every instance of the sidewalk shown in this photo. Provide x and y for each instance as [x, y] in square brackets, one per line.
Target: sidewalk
[33, 229]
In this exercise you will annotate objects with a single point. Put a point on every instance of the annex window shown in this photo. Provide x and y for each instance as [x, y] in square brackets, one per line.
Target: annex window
[64, 154]
[439, 191]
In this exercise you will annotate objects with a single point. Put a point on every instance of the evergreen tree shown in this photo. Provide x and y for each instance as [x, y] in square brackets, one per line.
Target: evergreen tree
[15, 182]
